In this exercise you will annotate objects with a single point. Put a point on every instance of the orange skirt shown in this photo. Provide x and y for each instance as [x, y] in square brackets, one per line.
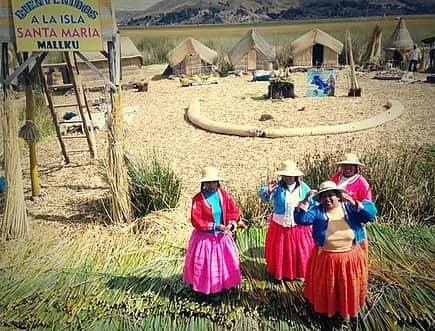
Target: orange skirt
[337, 282]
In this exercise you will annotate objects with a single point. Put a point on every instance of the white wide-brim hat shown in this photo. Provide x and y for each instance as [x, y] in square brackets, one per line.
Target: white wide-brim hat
[350, 158]
[210, 174]
[328, 186]
[289, 168]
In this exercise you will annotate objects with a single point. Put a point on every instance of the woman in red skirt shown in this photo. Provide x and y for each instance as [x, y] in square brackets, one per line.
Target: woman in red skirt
[287, 245]
[337, 272]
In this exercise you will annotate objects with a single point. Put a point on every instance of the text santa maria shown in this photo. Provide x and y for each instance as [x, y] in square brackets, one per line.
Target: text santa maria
[57, 25]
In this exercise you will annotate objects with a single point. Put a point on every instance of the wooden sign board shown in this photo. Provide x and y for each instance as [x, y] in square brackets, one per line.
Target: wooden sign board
[57, 25]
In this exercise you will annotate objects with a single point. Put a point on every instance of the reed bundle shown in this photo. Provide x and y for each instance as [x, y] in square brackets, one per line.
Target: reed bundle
[14, 223]
[116, 170]
[103, 279]
[376, 45]
[29, 132]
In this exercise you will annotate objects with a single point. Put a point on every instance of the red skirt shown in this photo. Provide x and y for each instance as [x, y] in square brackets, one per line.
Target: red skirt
[287, 250]
[337, 282]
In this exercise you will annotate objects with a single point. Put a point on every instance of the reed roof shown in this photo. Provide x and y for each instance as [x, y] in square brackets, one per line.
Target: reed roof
[128, 50]
[189, 46]
[429, 40]
[401, 39]
[316, 36]
[251, 40]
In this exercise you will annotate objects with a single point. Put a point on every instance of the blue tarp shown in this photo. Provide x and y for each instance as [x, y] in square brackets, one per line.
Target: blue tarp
[2, 184]
[261, 75]
[320, 83]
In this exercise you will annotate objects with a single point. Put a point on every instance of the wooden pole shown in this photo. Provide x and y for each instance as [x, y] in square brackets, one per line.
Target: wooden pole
[4, 69]
[30, 118]
[29, 131]
[354, 87]
[346, 54]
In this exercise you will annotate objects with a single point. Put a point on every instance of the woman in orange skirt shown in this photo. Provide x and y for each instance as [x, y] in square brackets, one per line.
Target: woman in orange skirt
[337, 272]
[356, 185]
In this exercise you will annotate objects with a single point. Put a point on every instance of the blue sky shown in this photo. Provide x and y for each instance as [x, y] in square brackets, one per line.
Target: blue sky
[134, 4]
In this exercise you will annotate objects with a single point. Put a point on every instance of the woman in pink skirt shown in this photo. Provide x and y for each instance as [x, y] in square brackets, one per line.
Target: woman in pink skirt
[212, 258]
[287, 245]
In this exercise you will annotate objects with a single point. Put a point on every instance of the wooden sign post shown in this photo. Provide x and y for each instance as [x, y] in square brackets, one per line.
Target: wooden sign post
[36, 28]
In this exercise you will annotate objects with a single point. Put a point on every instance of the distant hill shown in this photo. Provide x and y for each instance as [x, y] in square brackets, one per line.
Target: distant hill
[129, 5]
[172, 12]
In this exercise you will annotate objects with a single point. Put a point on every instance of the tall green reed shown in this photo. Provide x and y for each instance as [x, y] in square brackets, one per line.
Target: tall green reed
[153, 185]
[154, 50]
[43, 118]
[402, 180]
[253, 211]
[403, 184]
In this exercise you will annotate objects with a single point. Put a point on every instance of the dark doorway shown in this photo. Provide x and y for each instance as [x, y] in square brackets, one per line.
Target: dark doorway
[432, 58]
[317, 55]
[397, 59]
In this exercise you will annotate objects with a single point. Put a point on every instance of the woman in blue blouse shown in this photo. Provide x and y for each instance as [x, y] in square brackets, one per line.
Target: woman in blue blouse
[287, 245]
[337, 272]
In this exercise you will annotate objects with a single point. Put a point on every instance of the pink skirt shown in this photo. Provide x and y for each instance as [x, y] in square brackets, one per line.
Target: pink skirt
[287, 250]
[212, 262]
[337, 282]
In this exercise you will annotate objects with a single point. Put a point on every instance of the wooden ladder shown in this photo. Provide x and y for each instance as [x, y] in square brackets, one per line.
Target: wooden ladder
[84, 120]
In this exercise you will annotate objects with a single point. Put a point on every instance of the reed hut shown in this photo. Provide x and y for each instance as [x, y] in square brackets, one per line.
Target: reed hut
[316, 48]
[399, 44]
[191, 57]
[131, 62]
[252, 52]
[430, 47]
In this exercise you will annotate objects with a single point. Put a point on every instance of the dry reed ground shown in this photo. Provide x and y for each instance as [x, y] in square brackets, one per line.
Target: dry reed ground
[72, 192]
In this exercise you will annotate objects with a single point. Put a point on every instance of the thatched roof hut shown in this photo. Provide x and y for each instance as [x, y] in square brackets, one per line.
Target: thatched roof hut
[399, 44]
[401, 39]
[316, 48]
[191, 57]
[131, 62]
[252, 52]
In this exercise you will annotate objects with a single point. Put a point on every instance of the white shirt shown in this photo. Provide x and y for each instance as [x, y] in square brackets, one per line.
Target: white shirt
[415, 54]
[292, 197]
[346, 180]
